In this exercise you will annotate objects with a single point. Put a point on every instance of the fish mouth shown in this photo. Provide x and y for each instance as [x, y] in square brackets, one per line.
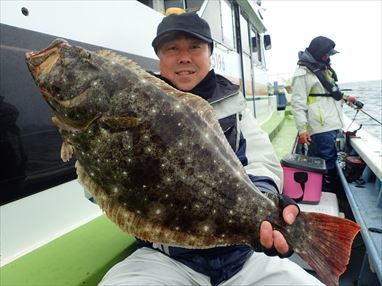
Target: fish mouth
[43, 61]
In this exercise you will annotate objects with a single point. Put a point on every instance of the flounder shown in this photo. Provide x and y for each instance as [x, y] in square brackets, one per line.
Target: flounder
[157, 162]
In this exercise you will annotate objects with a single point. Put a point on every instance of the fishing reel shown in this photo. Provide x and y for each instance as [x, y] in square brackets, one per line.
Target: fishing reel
[356, 104]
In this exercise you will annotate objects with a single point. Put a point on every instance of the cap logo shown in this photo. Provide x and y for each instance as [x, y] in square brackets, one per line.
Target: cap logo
[174, 10]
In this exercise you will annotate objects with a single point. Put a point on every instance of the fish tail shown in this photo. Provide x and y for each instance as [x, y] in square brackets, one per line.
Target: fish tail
[329, 247]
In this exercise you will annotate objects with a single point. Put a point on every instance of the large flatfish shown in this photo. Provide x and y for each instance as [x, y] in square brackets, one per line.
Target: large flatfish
[157, 162]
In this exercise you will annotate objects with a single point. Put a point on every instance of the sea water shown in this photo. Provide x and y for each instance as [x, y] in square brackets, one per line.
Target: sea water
[370, 94]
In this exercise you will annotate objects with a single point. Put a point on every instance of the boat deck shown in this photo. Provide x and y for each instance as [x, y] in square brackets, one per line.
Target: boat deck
[80, 257]
[364, 205]
[364, 197]
[284, 140]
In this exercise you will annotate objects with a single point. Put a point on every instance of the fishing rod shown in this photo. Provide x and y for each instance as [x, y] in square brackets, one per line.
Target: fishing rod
[358, 105]
[376, 120]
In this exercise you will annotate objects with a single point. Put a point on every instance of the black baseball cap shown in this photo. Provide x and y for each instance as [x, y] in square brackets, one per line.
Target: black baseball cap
[321, 46]
[333, 52]
[189, 23]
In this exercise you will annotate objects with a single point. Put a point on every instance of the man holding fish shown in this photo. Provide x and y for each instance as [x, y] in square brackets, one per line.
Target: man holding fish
[184, 46]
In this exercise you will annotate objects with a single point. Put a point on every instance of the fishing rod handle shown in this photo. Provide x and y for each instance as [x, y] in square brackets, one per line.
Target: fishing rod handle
[358, 104]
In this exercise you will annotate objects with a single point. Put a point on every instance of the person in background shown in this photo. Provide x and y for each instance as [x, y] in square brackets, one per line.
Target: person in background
[184, 46]
[317, 104]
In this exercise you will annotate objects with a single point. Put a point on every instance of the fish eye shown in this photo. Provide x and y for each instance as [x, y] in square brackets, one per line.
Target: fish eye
[56, 89]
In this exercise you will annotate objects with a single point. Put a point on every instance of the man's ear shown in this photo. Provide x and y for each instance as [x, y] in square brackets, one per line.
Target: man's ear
[158, 52]
[210, 50]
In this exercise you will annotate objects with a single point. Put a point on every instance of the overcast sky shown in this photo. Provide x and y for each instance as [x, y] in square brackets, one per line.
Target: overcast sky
[355, 27]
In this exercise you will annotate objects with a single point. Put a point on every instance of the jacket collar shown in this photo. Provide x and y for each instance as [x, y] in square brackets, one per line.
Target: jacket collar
[307, 60]
[219, 86]
[224, 89]
[306, 57]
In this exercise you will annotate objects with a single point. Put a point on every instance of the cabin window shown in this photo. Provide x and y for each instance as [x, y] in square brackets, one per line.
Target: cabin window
[220, 17]
[147, 2]
[244, 35]
[174, 3]
[192, 5]
[247, 75]
[246, 55]
[214, 20]
[227, 23]
[163, 5]
[256, 47]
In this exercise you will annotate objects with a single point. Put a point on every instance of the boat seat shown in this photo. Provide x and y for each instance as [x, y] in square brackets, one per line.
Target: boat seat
[80, 257]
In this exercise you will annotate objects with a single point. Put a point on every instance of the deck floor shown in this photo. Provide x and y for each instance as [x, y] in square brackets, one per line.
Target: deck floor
[284, 140]
[283, 143]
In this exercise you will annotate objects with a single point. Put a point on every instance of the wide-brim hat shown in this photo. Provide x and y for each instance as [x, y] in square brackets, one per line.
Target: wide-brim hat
[189, 23]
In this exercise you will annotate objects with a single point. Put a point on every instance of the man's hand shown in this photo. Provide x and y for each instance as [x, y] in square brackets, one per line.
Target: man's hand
[270, 237]
[304, 138]
[350, 99]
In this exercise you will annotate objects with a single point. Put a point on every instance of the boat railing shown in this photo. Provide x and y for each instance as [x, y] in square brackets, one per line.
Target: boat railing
[365, 198]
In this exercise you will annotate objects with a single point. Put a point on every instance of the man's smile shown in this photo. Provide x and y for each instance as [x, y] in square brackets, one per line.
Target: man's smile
[185, 72]
[185, 62]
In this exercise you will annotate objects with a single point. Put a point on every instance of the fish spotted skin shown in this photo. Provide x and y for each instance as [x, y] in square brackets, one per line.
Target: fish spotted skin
[155, 158]
[150, 151]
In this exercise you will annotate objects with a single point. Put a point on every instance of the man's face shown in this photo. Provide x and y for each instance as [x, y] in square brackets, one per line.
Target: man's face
[184, 61]
[326, 59]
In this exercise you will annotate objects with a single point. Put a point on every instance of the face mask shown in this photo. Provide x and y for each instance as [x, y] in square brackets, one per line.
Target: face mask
[327, 62]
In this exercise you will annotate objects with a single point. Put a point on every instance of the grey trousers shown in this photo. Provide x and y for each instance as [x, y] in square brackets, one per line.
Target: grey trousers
[150, 267]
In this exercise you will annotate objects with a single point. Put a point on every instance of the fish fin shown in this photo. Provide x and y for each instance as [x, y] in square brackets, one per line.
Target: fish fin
[328, 250]
[120, 122]
[105, 53]
[66, 151]
[117, 58]
[70, 103]
[61, 125]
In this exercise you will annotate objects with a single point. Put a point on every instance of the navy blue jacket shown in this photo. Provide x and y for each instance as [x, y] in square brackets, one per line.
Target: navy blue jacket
[221, 263]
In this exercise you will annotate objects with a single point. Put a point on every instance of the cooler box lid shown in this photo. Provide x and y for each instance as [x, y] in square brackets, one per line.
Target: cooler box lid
[313, 164]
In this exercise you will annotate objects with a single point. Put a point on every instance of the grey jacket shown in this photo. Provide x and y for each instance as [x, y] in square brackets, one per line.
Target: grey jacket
[313, 114]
